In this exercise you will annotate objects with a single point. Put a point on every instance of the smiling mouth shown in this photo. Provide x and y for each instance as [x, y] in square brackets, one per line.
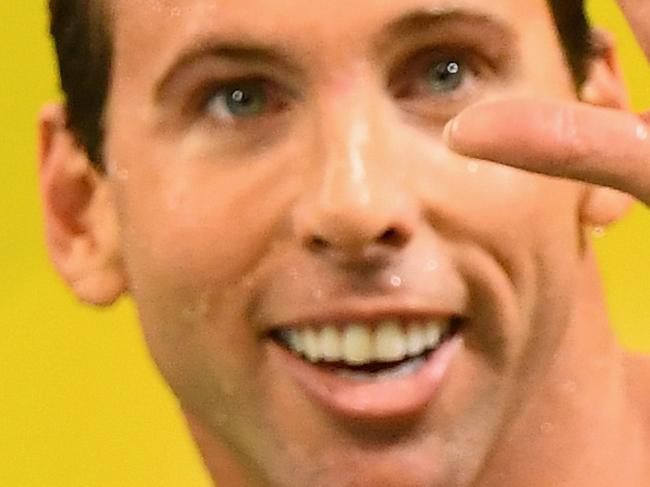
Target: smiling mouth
[383, 350]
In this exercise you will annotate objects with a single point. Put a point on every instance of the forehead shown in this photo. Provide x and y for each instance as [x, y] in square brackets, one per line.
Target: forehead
[163, 26]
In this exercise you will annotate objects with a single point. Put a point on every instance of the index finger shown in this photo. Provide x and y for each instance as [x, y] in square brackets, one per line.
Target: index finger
[601, 146]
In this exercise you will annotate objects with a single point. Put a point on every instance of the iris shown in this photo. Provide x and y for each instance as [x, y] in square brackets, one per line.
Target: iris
[446, 76]
[240, 100]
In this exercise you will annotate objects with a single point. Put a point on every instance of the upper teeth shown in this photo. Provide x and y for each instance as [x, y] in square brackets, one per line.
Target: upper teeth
[358, 343]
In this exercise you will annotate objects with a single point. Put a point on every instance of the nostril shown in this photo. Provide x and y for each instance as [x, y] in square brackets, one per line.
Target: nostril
[393, 237]
[317, 243]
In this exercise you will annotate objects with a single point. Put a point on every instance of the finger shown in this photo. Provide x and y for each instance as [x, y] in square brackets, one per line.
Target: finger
[637, 13]
[597, 145]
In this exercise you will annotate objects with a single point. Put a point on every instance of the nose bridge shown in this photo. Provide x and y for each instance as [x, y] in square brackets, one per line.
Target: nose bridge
[355, 143]
[350, 170]
[357, 199]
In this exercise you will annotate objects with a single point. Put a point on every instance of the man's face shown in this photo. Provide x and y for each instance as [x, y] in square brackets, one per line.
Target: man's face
[281, 164]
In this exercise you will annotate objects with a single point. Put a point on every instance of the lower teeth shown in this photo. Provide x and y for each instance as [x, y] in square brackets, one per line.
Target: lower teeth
[409, 367]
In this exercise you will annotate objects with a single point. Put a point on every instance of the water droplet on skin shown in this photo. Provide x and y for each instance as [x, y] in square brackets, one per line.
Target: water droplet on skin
[248, 282]
[188, 314]
[570, 387]
[222, 418]
[396, 281]
[642, 132]
[174, 200]
[114, 169]
[203, 307]
[546, 428]
[229, 388]
[599, 232]
[472, 167]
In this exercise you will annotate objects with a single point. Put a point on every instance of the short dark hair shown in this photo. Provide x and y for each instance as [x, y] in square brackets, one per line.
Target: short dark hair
[575, 35]
[81, 33]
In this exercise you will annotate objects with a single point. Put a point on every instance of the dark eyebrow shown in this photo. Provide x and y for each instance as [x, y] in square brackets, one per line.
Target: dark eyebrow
[427, 19]
[254, 53]
[241, 52]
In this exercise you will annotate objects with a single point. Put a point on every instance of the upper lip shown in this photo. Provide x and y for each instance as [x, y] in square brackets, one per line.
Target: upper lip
[360, 311]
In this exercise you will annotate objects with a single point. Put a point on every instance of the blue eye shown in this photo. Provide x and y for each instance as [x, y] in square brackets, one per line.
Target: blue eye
[245, 99]
[446, 76]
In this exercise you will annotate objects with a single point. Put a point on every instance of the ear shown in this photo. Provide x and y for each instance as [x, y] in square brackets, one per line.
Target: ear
[604, 87]
[81, 227]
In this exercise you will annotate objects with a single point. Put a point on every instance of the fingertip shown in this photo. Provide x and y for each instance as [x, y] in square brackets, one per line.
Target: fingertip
[468, 130]
[449, 134]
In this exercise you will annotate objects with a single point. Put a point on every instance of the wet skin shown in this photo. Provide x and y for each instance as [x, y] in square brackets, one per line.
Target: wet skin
[331, 188]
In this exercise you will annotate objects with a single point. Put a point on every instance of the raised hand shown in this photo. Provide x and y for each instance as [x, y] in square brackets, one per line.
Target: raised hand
[597, 145]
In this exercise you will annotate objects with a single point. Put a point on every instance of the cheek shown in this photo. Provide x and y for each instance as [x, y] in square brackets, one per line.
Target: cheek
[190, 243]
[494, 201]
[530, 222]
[526, 226]
[188, 228]
[194, 235]
[187, 242]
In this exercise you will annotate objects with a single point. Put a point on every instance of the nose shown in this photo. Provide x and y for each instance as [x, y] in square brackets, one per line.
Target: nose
[357, 206]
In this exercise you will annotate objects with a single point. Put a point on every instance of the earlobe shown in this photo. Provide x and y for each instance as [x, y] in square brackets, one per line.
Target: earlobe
[604, 87]
[81, 228]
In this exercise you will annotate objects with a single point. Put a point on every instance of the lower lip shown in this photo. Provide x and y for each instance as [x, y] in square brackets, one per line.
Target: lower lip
[386, 400]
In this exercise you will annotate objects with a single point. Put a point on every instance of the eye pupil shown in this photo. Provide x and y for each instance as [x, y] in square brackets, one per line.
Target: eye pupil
[246, 101]
[446, 76]
[238, 96]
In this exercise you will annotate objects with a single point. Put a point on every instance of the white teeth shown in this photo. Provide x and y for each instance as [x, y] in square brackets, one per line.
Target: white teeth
[390, 342]
[330, 344]
[433, 332]
[359, 343]
[312, 345]
[415, 339]
[296, 341]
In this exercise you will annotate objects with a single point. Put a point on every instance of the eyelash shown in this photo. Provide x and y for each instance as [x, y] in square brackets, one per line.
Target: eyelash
[416, 81]
[217, 92]
[411, 88]
[407, 83]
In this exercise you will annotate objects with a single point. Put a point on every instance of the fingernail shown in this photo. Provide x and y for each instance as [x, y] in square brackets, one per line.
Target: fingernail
[449, 132]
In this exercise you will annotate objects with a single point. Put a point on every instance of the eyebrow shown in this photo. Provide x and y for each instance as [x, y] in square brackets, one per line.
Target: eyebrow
[239, 51]
[252, 51]
[426, 19]
[492, 32]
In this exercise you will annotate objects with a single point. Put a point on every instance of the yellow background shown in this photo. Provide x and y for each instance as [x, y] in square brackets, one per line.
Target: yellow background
[80, 402]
